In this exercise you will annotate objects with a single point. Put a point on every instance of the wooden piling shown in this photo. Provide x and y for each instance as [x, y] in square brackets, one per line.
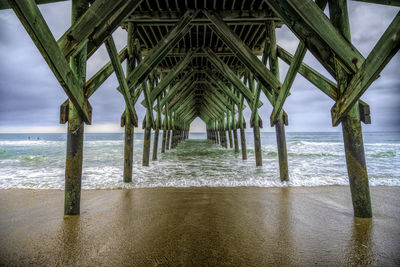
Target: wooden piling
[173, 139]
[279, 124]
[155, 144]
[256, 124]
[282, 151]
[157, 128]
[257, 142]
[128, 123]
[229, 130]
[146, 141]
[242, 133]
[168, 141]
[351, 126]
[164, 140]
[234, 130]
[74, 157]
[128, 148]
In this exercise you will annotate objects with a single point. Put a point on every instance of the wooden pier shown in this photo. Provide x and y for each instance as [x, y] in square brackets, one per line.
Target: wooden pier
[209, 59]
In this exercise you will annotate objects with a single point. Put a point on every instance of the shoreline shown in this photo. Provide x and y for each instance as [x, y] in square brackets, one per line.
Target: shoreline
[244, 226]
[196, 187]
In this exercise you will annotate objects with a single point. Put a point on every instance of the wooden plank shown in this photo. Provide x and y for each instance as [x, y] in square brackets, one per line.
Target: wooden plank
[221, 51]
[116, 63]
[384, 50]
[34, 23]
[168, 17]
[95, 18]
[243, 52]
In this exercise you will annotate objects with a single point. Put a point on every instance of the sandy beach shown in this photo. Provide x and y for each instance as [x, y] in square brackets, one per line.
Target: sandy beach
[244, 226]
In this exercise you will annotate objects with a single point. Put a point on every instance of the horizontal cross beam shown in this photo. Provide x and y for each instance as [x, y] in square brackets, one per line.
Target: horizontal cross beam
[220, 51]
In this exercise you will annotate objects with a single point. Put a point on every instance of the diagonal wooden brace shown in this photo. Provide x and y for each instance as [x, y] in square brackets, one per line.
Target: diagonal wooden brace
[384, 50]
[243, 52]
[34, 23]
[116, 63]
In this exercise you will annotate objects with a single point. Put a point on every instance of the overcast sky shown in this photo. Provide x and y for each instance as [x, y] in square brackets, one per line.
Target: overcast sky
[30, 95]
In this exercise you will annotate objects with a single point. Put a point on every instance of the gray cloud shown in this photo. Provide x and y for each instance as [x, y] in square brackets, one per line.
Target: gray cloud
[31, 96]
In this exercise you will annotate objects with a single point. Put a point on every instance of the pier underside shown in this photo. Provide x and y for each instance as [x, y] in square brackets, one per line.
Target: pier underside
[209, 59]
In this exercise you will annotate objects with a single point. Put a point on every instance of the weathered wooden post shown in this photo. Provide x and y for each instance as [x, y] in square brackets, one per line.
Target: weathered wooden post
[169, 125]
[234, 129]
[73, 164]
[351, 125]
[229, 130]
[157, 130]
[173, 132]
[282, 120]
[223, 134]
[242, 127]
[255, 124]
[127, 120]
[164, 135]
[217, 132]
[147, 130]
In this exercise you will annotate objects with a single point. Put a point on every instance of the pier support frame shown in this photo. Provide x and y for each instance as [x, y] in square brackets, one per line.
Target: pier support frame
[282, 150]
[229, 131]
[146, 141]
[242, 127]
[127, 120]
[128, 147]
[155, 145]
[73, 164]
[257, 141]
[280, 123]
[164, 137]
[351, 125]
[157, 127]
[255, 124]
[168, 141]
[234, 130]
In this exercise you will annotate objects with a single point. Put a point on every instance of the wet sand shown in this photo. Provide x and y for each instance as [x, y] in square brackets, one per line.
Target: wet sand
[200, 227]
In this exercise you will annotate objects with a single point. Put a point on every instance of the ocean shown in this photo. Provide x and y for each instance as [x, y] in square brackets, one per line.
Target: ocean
[315, 159]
